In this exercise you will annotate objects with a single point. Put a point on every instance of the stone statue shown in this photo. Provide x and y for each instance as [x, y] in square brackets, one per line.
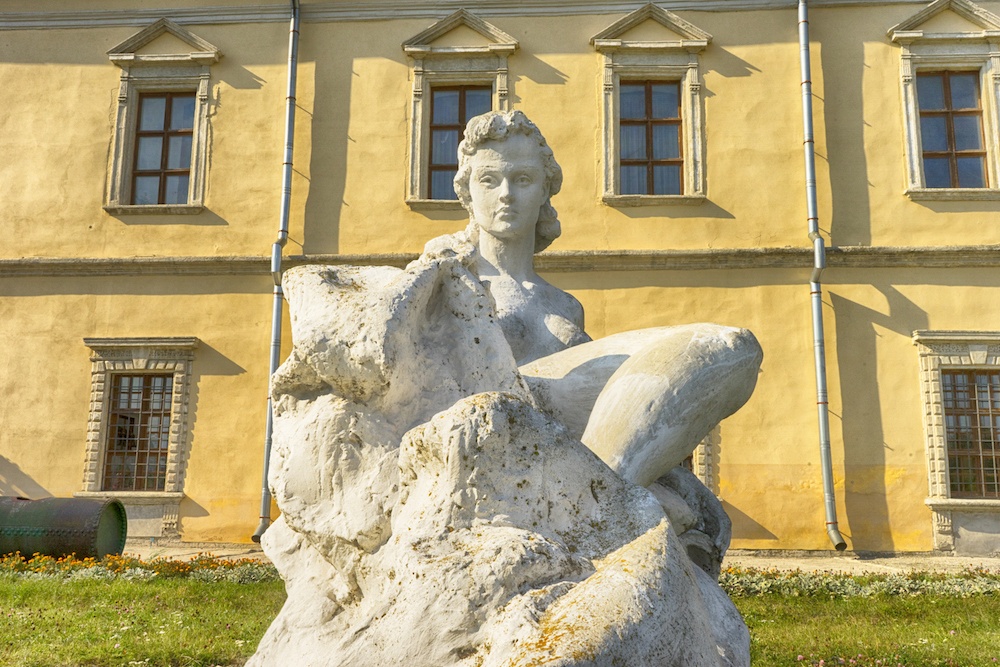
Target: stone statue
[461, 470]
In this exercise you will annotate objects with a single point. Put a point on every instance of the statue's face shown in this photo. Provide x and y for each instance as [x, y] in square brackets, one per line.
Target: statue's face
[507, 186]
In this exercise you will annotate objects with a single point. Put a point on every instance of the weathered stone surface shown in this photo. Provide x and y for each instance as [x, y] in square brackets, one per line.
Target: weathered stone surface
[438, 509]
[512, 544]
[643, 400]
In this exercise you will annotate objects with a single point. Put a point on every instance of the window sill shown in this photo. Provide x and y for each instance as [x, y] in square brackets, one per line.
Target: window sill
[434, 204]
[134, 497]
[964, 504]
[953, 194]
[156, 209]
[622, 201]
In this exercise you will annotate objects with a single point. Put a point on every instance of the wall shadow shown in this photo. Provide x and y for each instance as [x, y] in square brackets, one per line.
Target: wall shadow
[210, 361]
[744, 527]
[205, 218]
[534, 69]
[16, 482]
[333, 81]
[866, 492]
[842, 62]
[707, 209]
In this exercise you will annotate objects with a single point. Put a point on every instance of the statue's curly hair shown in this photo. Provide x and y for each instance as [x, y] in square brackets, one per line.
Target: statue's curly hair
[497, 126]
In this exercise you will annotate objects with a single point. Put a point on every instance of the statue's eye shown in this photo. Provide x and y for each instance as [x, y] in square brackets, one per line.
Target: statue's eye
[524, 179]
[488, 180]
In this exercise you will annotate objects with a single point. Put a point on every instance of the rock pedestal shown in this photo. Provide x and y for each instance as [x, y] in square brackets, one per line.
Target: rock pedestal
[437, 511]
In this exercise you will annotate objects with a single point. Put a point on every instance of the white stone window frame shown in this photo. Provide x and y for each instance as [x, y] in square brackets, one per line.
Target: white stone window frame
[974, 51]
[442, 66]
[667, 60]
[131, 356]
[943, 350]
[159, 73]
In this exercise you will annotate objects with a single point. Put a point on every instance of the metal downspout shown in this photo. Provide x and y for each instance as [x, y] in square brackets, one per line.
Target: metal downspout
[815, 286]
[276, 248]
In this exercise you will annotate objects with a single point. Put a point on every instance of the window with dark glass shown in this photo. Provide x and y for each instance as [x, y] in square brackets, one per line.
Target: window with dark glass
[451, 109]
[971, 401]
[138, 433]
[951, 130]
[650, 138]
[162, 165]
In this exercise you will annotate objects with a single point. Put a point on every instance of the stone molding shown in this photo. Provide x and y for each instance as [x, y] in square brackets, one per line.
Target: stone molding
[387, 9]
[838, 257]
[666, 60]
[159, 72]
[971, 50]
[937, 350]
[704, 456]
[111, 356]
[450, 65]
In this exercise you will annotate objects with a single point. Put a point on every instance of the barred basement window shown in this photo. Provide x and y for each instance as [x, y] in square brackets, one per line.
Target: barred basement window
[971, 401]
[138, 433]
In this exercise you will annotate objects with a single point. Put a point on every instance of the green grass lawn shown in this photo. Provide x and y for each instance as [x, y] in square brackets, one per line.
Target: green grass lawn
[917, 631]
[56, 622]
[182, 620]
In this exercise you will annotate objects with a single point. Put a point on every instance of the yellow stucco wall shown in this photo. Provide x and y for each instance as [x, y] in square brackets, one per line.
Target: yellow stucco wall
[348, 197]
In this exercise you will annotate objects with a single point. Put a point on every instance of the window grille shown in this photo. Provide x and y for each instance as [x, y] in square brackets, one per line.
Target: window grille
[971, 401]
[138, 433]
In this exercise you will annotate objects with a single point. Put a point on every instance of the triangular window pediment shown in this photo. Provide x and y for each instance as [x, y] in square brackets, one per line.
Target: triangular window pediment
[461, 32]
[651, 31]
[651, 26]
[948, 19]
[161, 42]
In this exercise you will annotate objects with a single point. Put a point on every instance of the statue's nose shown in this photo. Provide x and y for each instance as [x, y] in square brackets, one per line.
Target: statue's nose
[505, 191]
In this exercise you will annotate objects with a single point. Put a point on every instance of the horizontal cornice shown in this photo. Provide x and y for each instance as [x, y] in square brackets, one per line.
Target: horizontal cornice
[846, 257]
[385, 9]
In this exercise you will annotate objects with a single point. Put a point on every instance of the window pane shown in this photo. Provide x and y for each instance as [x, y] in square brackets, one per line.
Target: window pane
[930, 92]
[477, 102]
[445, 103]
[633, 143]
[182, 113]
[632, 99]
[667, 179]
[967, 133]
[147, 190]
[177, 190]
[937, 172]
[179, 152]
[149, 154]
[666, 142]
[970, 172]
[665, 100]
[633, 180]
[442, 184]
[964, 90]
[151, 113]
[444, 147]
[934, 133]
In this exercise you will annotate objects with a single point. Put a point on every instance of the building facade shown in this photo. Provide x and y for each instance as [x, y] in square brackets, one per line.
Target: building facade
[141, 155]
